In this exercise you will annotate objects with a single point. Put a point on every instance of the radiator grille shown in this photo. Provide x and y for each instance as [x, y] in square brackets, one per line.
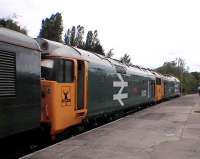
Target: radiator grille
[7, 74]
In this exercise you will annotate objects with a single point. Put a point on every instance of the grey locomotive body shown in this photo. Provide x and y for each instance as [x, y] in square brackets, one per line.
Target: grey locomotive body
[19, 83]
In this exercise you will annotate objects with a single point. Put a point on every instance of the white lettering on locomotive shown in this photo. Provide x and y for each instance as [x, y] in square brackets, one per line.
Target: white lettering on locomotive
[119, 96]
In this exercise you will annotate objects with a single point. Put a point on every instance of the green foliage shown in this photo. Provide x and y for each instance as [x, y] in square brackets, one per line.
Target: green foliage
[52, 28]
[197, 76]
[126, 59]
[67, 37]
[110, 53]
[97, 48]
[10, 24]
[75, 36]
[93, 43]
[79, 37]
[89, 41]
[189, 81]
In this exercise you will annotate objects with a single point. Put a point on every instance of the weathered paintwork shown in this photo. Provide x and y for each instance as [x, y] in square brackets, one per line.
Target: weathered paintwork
[111, 85]
[171, 87]
[20, 112]
[138, 89]
[62, 106]
[104, 80]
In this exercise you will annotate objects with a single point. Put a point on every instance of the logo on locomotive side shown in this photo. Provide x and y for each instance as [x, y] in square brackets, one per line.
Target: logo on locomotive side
[119, 96]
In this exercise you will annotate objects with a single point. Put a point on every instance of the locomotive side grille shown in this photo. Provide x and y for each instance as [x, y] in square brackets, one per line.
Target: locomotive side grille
[7, 74]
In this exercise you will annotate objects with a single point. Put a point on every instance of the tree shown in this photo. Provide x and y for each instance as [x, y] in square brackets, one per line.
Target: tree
[169, 68]
[52, 28]
[196, 76]
[189, 81]
[96, 45]
[73, 36]
[126, 59]
[89, 41]
[98, 48]
[175, 67]
[181, 67]
[110, 53]
[79, 37]
[67, 37]
[13, 25]
[93, 43]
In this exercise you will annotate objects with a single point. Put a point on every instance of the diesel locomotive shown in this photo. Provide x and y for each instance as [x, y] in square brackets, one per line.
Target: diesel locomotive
[61, 86]
[20, 96]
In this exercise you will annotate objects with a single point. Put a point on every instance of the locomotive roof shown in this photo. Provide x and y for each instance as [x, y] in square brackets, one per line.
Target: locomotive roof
[171, 78]
[59, 49]
[19, 39]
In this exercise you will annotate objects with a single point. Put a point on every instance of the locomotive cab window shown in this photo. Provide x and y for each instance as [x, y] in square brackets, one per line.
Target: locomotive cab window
[158, 81]
[65, 71]
[47, 69]
[59, 70]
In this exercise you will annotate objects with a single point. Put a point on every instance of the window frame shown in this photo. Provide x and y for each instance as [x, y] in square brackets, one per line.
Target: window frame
[64, 73]
[158, 81]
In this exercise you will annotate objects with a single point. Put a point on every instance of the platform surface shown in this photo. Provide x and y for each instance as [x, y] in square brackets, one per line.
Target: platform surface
[170, 130]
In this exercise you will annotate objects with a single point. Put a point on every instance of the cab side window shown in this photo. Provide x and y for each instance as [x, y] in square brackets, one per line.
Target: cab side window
[68, 71]
[158, 81]
[64, 71]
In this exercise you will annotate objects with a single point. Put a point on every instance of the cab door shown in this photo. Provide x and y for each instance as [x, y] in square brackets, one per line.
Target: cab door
[65, 95]
[82, 86]
[158, 90]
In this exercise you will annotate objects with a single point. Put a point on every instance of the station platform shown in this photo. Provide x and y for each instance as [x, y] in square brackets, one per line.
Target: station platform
[170, 130]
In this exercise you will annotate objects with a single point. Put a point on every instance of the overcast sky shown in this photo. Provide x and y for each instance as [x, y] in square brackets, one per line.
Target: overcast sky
[151, 31]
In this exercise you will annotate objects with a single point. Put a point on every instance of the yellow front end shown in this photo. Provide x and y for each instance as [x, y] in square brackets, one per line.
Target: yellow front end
[158, 93]
[159, 90]
[58, 106]
[59, 99]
